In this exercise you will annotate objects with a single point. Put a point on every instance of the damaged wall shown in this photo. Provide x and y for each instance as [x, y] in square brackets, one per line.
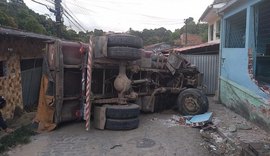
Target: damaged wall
[238, 88]
[14, 49]
[10, 85]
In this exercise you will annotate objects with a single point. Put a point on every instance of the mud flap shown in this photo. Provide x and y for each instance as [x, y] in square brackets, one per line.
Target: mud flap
[45, 111]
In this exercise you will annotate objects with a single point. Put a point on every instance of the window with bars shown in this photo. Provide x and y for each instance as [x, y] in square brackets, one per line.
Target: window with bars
[262, 40]
[262, 24]
[235, 36]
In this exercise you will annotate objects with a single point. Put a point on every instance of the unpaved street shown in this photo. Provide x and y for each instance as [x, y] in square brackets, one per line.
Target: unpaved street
[156, 136]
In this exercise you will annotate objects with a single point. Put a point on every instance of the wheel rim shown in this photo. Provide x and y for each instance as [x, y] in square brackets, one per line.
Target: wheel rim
[191, 104]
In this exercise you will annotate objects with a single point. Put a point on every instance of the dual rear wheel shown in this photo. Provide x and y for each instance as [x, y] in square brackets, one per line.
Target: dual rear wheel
[122, 117]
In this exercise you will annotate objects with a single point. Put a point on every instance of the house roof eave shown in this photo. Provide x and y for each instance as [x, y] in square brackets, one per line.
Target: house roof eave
[207, 10]
[23, 34]
[228, 5]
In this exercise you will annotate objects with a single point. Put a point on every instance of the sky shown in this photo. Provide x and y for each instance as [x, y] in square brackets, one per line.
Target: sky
[120, 15]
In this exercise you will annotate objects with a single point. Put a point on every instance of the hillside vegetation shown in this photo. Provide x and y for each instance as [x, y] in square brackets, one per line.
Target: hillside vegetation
[15, 14]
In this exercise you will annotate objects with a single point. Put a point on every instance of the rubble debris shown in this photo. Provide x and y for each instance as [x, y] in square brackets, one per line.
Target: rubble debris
[256, 148]
[243, 127]
[171, 122]
[118, 145]
[199, 120]
[232, 128]
[217, 144]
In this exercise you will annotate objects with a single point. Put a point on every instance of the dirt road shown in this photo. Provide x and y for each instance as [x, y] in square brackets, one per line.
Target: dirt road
[157, 135]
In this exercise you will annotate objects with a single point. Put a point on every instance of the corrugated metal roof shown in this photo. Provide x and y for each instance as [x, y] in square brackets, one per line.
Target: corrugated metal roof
[181, 50]
[19, 33]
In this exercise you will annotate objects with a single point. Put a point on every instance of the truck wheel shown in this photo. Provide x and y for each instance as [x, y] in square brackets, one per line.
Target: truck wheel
[124, 124]
[205, 99]
[192, 102]
[122, 111]
[126, 53]
[124, 40]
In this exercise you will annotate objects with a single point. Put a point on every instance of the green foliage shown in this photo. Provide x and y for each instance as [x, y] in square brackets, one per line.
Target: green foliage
[17, 15]
[98, 32]
[7, 20]
[19, 136]
[162, 35]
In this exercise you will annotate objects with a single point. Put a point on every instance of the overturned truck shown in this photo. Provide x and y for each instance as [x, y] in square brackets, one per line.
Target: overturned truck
[125, 81]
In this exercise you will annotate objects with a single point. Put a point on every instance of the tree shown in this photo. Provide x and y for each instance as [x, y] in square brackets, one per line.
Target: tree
[98, 32]
[7, 20]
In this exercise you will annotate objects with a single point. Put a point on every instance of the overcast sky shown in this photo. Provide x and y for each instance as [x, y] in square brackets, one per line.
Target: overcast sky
[120, 15]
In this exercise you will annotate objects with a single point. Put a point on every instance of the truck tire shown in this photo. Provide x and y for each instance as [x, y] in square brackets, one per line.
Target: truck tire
[124, 40]
[122, 111]
[206, 102]
[124, 124]
[124, 53]
[192, 102]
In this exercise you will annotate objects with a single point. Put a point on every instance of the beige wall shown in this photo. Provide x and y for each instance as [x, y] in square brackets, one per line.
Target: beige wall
[12, 51]
[10, 85]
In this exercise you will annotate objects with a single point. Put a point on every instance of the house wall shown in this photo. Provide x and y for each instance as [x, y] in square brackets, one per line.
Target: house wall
[238, 88]
[214, 22]
[192, 39]
[10, 85]
[12, 51]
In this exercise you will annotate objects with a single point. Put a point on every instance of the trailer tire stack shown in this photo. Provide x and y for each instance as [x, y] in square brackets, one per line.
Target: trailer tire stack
[122, 117]
[124, 47]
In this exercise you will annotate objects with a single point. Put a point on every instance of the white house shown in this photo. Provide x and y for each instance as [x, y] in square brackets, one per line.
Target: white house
[211, 16]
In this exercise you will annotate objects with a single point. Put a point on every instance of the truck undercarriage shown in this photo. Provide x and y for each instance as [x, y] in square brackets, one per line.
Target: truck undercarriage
[125, 80]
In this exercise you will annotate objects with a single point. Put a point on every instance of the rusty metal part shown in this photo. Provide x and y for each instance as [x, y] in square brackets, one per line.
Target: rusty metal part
[59, 76]
[176, 61]
[100, 46]
[132, 96]
[191, 104]
[64, 61]
[191, 82]
[122, 84]
[170, 67]
[121, 101]
[151, 100]
[140, 81]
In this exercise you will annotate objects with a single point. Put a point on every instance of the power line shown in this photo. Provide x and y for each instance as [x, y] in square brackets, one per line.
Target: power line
[151, 17]
[49, 8]
[71, 21]
[78, 24]
[50, 1]
[82, 7]
[76, 19]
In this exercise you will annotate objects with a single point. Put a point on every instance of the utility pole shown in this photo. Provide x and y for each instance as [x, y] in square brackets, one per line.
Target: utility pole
[58, 17]
[186, 31]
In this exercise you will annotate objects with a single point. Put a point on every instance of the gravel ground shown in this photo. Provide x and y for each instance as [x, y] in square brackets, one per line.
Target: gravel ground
[157, 135]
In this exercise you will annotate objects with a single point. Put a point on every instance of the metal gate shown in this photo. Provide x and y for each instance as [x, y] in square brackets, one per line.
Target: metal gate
[30, 87]
[208, 65]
